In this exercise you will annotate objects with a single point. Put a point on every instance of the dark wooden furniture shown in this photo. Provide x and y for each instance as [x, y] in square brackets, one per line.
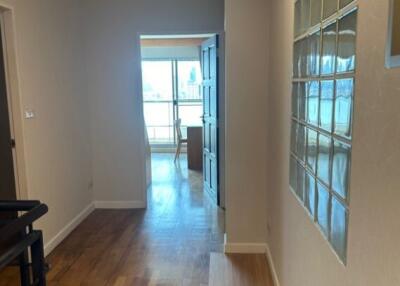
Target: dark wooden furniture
[20, 243]
[195, 148]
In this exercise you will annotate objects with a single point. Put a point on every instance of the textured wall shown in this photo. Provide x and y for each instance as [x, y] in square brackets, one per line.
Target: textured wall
[301, 255]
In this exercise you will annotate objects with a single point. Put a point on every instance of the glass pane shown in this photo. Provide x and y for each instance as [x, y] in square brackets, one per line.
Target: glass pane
[326, 112]
[312, 141]
[302, 100]
[323, 209]
[297, 52]
[301, 142]
[344, 3]
[295, 100]
[328, 50]
[157, 80]
[189, 80]
[305, 15]
[293, 138]
[304, 57]
[330, 7]
[159, 122]
[339, 228]
[314, 44]
[310, 194]
[324, 150]
[157, 101]
[297, 18]
[341, 168]
[316, 6]
[301, 173]
[293, 173]
[347, 43]
[344, 107]
[313, 103]
[190, 114]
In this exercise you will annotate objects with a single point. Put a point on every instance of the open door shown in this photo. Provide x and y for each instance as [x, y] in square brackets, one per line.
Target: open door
[7, 177]
[209, 59]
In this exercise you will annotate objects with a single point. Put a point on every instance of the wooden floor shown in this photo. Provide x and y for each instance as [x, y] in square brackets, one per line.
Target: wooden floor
[168, 244]
[239, 270]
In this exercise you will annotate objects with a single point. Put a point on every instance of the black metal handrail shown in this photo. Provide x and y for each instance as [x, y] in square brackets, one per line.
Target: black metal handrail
[19, 224]
[18, 205]
[23, 243]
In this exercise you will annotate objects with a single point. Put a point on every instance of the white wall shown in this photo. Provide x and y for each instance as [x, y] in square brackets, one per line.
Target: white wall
[114, 80]
[246, 122]
[301, 255]
[52, 82]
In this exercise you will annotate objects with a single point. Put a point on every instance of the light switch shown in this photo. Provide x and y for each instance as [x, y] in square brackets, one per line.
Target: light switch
[29, 114]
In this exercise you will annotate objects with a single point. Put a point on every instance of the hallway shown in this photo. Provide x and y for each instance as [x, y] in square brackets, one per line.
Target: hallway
[167, 244]
[172, 243]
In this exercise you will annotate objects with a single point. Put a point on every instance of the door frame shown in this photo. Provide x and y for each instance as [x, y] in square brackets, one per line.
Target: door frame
[222, 99]
[7, 22]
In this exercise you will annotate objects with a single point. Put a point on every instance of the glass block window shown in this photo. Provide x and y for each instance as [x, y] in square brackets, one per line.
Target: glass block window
[324, 62]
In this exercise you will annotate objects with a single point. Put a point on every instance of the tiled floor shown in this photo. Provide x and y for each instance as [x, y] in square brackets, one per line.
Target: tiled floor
[167, 244]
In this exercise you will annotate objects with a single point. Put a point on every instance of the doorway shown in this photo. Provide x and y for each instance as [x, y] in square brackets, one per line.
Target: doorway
[181, 103]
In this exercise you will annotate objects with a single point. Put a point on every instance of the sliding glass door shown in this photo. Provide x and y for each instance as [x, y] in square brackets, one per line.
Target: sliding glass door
[171, 90]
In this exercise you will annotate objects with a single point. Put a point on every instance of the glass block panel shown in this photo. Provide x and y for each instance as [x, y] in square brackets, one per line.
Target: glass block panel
[316, 8]
[300, 58]
[326, 102]
[346, 56]
[344, 3]
[328, 49]
[304, 57]
[313, 103]
[344, 107]
[301, 179]
[301, 142]
[302, 94]
[314, 44]
[310, 194]
[297, 18]
[305, 15]
[341, 168]
[324, 150]
[312, 144]
[293, 173]
[330, 7]
[323, 209]
[339, 228]
[297, 59]
[293, 137]
[295, 100]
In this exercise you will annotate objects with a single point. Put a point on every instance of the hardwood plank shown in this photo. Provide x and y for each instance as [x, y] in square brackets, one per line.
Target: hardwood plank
[239, 270]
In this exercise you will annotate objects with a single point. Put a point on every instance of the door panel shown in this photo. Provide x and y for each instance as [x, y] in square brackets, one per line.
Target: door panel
[210, 120]
[7, 178]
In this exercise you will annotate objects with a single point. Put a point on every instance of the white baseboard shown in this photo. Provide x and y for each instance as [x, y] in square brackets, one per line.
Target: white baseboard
[244, 248]
[272, 267]
[120, 204]
[66, 230]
